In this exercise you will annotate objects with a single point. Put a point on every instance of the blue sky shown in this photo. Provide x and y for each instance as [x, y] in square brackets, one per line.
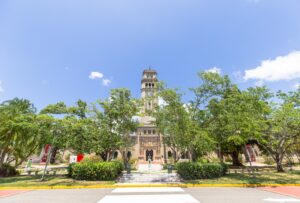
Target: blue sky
[49, 48]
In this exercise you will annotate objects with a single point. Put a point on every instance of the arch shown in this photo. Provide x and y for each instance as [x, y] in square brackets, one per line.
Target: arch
[149, 154]
[129, 154]
[115, 155]
[170, 155]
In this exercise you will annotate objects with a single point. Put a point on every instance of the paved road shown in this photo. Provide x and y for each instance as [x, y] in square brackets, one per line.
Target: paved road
[153, 195]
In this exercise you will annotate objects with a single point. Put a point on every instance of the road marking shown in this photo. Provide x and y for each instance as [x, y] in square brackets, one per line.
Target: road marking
[175, 198]
[282, 200]
[147, 189]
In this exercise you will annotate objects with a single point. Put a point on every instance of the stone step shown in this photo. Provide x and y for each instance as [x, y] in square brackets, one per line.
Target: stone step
[142, 177]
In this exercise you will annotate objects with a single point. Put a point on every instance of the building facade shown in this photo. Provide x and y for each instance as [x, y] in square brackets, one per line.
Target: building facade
[148, 141]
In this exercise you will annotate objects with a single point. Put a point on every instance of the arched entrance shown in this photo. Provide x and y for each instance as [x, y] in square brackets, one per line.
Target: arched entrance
[149, 155]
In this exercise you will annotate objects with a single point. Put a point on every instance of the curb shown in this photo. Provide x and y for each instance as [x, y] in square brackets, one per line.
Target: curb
[145, 185]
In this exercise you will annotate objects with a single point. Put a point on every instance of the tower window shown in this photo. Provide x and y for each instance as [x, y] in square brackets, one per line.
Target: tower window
[146, 84]
[145, 132]
[153, 132]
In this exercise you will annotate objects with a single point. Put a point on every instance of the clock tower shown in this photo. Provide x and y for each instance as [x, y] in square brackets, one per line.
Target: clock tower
[149, 89]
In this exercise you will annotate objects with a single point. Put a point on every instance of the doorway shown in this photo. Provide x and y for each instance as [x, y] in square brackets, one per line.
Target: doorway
[149, 155]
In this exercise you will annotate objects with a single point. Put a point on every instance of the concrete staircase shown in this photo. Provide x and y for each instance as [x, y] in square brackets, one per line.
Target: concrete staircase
[144, 177]
[149, 174]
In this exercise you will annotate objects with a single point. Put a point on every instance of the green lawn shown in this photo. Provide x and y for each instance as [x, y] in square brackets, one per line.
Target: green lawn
[61, 181]
[50, 181]
[264, 178]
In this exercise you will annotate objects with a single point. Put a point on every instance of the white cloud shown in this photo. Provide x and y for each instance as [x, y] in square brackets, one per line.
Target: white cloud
[214, 70]
[95, 75]
[296, 86]
[106, 82]
[1, 88]
[281, 68]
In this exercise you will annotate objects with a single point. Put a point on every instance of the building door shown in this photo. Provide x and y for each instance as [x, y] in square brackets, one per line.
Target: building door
[149, 155]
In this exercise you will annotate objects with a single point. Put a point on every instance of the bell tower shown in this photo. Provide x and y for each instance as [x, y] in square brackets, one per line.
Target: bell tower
[149, 89]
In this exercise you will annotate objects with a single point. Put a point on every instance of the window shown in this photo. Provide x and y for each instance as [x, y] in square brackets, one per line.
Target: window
[145, 132]
[115, 155]
[153, 132]
[129, 154]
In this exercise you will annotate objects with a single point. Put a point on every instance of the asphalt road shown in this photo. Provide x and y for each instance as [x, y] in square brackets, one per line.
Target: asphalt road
[145, 195]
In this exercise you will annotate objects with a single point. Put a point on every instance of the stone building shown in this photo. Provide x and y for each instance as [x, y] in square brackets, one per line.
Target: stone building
[148, 141]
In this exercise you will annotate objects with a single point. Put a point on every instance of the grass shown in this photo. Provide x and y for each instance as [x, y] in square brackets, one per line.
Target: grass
[63, 181]
[262, 178]
[50, 181]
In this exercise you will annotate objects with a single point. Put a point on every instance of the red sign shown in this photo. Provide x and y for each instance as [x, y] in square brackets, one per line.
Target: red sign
[46, 152]
[79, 157]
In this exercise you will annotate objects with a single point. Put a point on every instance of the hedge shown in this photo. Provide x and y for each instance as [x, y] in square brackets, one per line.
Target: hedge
[8, 170]
[195, 170]
[95, 170]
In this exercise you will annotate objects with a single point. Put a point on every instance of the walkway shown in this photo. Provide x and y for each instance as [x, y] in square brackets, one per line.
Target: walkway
[152, 173]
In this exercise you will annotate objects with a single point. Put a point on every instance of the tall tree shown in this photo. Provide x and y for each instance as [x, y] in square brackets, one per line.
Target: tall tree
[180, 132]
[282, 130]
[233, 116]
[21, 131]
[118, 112]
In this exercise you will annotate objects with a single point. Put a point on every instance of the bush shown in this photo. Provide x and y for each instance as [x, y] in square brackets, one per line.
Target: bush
[92, 159]
[195, 170]
[8, 170]
[95, 170]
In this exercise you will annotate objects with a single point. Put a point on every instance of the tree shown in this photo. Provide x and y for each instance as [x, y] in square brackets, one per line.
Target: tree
[233, 116]
[118, 112]
[180, 132]
[21, 131]
[104, 140]
[282, 132]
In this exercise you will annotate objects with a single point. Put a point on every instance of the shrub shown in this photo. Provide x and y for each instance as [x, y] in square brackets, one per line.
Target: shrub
[8, 170]
[195, 170]
[92, 158]
[95, 170]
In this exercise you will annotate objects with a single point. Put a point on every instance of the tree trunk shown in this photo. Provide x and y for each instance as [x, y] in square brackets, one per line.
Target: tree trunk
[165, 154]
[124, 157]
[103, 155]
[220, 153]
[53, 155]
[279, 166]
[174, 156]
[235, 159]
[298, 156]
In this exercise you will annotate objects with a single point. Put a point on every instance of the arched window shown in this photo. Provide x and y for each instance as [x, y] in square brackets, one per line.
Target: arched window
[129, 154]
[115, 155]
[169, 154]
